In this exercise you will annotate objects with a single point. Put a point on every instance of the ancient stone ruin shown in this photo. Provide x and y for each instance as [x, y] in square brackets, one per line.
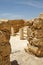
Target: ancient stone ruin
[21, 34]
[6, 30]
[15, 24]
[35, 37]
[5, 48]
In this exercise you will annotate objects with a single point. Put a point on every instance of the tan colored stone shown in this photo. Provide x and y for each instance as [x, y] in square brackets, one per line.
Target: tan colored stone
[21, 34]
[4, 36]
[38, 33]
[37, 42]
[35, 50]
[5, 60]
[5, 49]
[37, 23]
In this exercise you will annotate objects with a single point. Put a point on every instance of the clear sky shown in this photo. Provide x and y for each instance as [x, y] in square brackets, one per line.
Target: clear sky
[20, 9]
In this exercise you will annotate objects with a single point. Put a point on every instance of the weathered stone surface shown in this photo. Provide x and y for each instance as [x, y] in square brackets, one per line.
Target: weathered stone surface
[35, 50]
[5, 48]
[29, 23]
[4, 35]
[38, 33]
[5, 60]
[21, 34]
[35, 37]
[37, 23]
[37, 42]
[16, 24]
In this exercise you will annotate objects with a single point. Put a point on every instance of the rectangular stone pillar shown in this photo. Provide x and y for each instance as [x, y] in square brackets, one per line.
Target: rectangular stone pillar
[21, 34]
[12, 31]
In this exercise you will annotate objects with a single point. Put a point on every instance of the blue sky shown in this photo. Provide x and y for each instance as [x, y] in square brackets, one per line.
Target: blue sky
[20, 9]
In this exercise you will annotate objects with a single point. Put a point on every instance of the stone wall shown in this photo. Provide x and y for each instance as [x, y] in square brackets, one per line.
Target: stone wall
[5, 48]
[16, 24]
[35, 37]
[5, 26]
[5, 32]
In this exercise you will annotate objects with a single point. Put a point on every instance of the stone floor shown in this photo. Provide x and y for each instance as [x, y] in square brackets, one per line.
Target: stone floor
[23, 58]
[19, 56]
